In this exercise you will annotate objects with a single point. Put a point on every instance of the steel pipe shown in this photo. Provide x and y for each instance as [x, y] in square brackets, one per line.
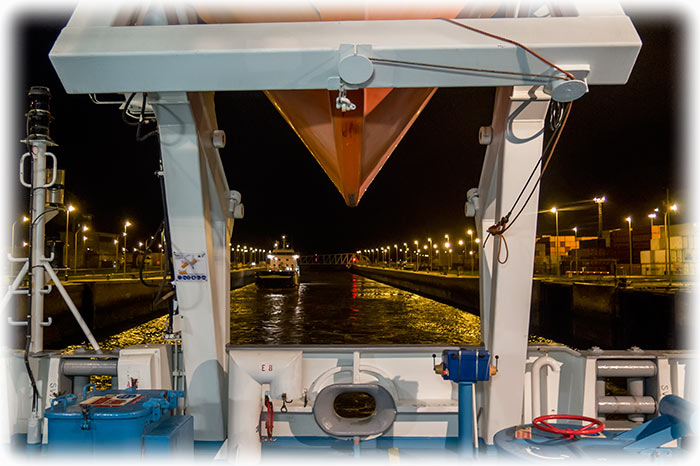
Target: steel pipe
[87, 367]
[626, 368]
[635, 387]
[626, 405]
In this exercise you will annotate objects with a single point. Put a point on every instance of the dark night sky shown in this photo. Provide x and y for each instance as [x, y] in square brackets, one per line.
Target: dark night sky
[621, 141]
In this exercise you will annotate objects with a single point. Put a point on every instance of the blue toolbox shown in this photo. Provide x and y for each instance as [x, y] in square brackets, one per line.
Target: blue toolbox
[119, 421]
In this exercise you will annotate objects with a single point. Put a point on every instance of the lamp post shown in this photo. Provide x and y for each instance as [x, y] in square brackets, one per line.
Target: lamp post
[471, 247]
[447, 246]
[576, 247]
[556, 242]
[464, 252]
[668, 209]
[25, 219]
[476, 251]
[127, 224]
[448, 253]
[397, 254]
[430, 241]
[417, 265]
[600, 201]
[629, 231]
[69, 209]
[75, 245]
[116, 253]
[436, 248]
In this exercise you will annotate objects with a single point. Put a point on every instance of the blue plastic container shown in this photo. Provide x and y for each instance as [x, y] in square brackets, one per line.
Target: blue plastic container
[75, 428]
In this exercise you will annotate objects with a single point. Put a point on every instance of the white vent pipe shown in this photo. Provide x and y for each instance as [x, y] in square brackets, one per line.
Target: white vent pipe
[537, 367]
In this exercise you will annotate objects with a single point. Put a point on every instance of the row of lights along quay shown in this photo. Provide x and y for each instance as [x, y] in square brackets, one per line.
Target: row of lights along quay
[80, 250]
[641, 249]
[428, 255]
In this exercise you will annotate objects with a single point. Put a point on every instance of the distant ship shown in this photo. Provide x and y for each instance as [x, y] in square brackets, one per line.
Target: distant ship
[282, 268]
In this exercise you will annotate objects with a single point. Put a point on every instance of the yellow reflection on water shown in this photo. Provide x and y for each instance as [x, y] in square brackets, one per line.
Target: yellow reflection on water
[416, 318]
[149, 333]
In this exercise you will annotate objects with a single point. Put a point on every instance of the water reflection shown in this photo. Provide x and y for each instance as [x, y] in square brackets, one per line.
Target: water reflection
[343, 308]
[331, 308]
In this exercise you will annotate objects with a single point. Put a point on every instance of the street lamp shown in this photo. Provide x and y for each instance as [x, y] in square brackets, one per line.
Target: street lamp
[629, 230]
[127, 224]
[600, 201]
[417, 255]
[431, 253]
[75, 245]
[25, 219]
[556, 245]
[397, 254]
[471, 247]
[576, 246]
[69, 209]
[464, 252]
[116, 253]
[668, 209]
[436, 248]
[447, 246]
[476, 251]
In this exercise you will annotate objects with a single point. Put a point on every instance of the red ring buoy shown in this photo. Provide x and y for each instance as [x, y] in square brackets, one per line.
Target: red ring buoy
[540, 423]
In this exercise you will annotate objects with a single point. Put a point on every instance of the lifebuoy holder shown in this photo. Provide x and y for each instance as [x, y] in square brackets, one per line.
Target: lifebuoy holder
[593, 427]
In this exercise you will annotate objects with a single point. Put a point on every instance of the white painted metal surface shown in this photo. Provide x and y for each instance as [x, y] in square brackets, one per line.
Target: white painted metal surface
[201, 221]
[149, 365]
[38, 225]
[426, 404]
[268, 56]
[505, 288]
[248, 371]
[549, 369]
[168, 60]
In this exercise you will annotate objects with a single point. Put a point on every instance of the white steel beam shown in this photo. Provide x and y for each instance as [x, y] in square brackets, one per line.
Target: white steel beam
[506, 285]
[259, 56]
[198, 198]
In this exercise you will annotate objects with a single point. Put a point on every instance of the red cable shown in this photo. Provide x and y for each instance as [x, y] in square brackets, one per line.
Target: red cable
[502, 240]
[510, 41]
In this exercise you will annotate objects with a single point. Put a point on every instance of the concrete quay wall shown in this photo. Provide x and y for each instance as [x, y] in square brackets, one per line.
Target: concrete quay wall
[107, 306]
[580, 315]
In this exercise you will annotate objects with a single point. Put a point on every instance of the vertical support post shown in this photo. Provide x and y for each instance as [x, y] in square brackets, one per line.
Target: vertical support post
[465, 419]
[200, 222]
[506, 285]
[38, 219]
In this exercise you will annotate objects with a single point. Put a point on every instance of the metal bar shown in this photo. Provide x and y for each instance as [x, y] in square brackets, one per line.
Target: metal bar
[88, 367]
[260, 56]
[626, 405]
[635, 387]
[625, 368]
[79, 381]
[38, 151]
[465, 419]
[15, 284]
[505, 283]
[71, 306]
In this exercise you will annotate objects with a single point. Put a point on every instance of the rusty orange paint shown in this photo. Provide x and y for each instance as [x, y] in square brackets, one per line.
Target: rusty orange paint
[353, 146]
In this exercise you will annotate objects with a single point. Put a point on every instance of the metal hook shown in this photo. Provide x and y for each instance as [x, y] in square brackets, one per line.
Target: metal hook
[342, 102]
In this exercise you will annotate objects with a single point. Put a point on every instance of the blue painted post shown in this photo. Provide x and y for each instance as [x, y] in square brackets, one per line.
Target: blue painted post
[465, 416]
